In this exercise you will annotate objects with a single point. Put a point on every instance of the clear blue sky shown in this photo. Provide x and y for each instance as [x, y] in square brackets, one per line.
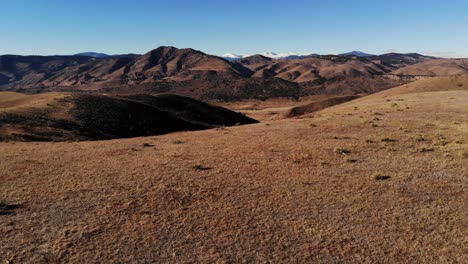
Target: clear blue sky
[216, 26]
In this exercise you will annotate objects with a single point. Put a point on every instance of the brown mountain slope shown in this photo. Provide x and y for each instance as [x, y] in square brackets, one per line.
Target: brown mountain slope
[178, 64]
[435, 68]
[223, 89]
[163, 63]
[31, 71]
[380, 179]
[63, 117]
[312, 69]
[256, 63]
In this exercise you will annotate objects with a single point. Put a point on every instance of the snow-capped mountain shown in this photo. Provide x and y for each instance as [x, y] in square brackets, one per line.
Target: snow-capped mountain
[269, 54]
[232, 56]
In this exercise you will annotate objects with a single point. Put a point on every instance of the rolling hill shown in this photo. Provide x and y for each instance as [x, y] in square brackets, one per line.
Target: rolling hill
[65, 117]
[398, 60]
[441, 67]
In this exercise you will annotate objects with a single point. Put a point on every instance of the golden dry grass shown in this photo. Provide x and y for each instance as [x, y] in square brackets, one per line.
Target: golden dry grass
[275, 192]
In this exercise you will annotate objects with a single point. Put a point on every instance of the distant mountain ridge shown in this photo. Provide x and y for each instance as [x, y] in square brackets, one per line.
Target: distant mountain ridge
[191, 72]
[98, 55]
[357, 53]
[93, 54]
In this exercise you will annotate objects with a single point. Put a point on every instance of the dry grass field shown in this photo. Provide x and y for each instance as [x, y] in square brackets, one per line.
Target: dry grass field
[380, 179]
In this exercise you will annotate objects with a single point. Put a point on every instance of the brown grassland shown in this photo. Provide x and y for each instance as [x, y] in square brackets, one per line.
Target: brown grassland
[380, 179]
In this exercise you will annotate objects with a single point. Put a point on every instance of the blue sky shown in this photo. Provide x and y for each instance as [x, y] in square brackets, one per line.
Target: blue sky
[47, 27]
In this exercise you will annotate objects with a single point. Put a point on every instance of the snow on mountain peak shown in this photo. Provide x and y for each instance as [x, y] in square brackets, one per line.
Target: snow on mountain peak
[269, 54]
[232, 56]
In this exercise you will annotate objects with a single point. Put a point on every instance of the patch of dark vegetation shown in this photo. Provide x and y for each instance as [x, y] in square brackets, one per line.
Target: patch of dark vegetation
[419, 138]
[7, 208]
[426, 149]
[255, 89]
[380, 177]
[388, 140]
[342, 151]
[221, 88]
[199, 167]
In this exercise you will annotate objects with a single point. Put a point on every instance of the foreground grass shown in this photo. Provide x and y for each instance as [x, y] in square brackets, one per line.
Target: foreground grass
[304, 202]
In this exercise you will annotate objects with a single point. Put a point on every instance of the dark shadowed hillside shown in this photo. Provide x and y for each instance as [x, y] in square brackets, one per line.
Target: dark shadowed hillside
[61, 116]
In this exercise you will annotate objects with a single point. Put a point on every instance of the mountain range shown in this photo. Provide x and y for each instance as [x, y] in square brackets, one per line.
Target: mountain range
[193, 73]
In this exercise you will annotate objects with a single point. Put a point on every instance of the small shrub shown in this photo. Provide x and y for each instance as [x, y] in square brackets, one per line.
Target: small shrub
[147, 145]
[199, 167]
[351, 160]
[178, 142]
[426, 150]
[464, 154]
[388, 140]
[419, 138]
[342, 151]
[443, 142]
[370, 141]
[380, 177]
[335, 137]
[8, 207]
